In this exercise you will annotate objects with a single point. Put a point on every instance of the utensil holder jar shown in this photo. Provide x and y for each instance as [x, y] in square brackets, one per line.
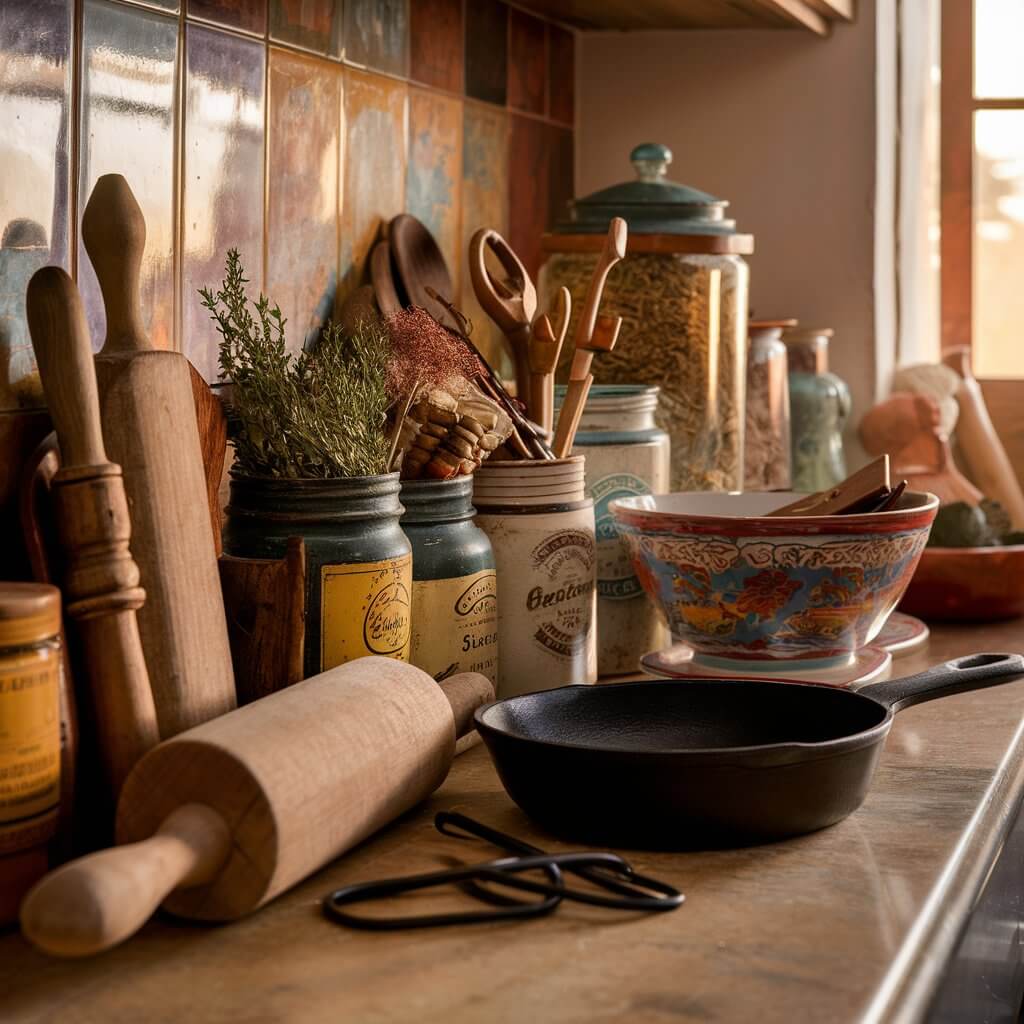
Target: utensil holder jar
[541, 526]
[454, 592]
[358, 560]
[626, 454]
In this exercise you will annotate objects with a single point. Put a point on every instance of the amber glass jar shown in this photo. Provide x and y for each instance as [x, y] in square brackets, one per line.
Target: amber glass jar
[31, 667]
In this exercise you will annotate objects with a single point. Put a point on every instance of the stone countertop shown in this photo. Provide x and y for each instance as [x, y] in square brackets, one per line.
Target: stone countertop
[854, 922]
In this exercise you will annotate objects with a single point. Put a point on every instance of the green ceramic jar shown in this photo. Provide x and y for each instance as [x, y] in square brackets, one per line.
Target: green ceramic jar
[358, 560]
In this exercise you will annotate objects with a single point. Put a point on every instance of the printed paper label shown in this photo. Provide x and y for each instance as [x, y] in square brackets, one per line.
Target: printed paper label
[29, 741]
[615, 578]
[365, 609]
[561, 603]
[455, 625]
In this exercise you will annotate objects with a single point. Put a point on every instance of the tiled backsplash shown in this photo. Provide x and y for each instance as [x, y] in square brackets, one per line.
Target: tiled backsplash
[286, 128]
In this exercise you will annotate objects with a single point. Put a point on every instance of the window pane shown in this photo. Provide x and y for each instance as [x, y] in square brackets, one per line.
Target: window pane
[998, 305]
[998, 33]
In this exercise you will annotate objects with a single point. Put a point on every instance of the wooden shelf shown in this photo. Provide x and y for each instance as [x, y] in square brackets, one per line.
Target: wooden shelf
[811, 15]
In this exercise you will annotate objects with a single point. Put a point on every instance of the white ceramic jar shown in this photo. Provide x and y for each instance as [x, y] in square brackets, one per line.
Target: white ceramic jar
[626, 455]
[541, 526]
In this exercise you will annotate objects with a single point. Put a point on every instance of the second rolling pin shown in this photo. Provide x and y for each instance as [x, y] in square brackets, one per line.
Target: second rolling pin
[149, 425]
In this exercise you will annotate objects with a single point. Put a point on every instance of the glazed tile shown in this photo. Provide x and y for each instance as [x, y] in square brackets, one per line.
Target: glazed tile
[486, 50]
[529, 184]
[527, 62]
[222, 197]
[484, 204]
[377, 34]
[375, 122]
[434, 175]
[129, 73]
[311, 24]
[35, 113]
[246, 15]
[435, 43]
[561, 74]
[304, 121]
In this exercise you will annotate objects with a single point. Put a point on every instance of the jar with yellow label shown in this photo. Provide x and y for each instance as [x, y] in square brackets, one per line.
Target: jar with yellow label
[31, 666]
[454, 592]
[358, 560]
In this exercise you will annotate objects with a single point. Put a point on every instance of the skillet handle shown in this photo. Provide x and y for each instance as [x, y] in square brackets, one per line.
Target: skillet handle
[972, 672]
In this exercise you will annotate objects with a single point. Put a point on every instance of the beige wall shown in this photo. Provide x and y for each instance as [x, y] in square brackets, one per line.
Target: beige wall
[783, 125]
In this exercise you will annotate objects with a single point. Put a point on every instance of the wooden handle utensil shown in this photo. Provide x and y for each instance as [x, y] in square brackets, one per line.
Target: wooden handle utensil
[545, 348]
[227, 816]
[592, 335]
[986, 458]
[92, 524]
[149, 422]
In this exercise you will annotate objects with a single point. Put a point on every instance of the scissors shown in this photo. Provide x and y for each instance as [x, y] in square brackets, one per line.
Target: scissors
[511, 302]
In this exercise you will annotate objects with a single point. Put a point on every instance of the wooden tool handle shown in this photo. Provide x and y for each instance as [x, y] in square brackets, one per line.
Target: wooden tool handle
[60, 338]
[114, 232]
[466, 692]
[613, 251]
[95, 902]
[980, 445]
[92, 523]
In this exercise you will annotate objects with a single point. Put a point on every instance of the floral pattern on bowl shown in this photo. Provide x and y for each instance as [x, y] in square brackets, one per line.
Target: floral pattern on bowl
[742, 587]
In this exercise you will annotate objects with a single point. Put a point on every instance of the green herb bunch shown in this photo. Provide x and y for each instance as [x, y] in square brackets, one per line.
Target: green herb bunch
[320, 415]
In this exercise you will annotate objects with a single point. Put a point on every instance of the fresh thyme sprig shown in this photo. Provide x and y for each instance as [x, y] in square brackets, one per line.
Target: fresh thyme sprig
[319, 415]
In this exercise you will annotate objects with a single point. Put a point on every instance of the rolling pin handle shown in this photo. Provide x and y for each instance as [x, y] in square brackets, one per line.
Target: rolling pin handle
[466, 692]
[97, 901]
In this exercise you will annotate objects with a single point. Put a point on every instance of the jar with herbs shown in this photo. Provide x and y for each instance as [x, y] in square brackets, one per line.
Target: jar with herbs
[682, 293]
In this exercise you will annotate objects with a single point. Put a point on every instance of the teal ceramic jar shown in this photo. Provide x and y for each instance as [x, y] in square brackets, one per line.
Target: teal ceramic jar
[454, 592]
[819, 408]
[626, 455]
[358, 560]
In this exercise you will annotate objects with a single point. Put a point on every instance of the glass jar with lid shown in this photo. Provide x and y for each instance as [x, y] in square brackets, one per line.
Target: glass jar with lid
[766, 442]
[682, 294]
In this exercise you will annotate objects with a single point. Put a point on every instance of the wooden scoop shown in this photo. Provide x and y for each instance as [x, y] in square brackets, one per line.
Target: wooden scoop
[230, 814]
[592, 335]
[544, 349]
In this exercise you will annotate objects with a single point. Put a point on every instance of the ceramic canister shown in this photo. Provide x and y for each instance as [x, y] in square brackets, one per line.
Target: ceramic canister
[358, 560]
[626, 455]
[541, 526]
[454, 593]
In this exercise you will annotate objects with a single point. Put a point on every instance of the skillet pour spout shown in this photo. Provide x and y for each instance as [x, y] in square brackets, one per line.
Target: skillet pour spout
[681, 764]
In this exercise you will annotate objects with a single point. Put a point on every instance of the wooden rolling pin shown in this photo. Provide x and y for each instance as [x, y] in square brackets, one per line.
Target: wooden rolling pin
[987, 462]
[149, 423]
[101, 581]
[227, 816]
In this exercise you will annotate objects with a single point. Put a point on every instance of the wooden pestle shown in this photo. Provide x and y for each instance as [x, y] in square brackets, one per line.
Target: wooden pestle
[230, 814]
[101, 583]
[148, 413]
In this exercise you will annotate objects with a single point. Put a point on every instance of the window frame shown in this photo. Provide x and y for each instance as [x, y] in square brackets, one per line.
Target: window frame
[958, 106]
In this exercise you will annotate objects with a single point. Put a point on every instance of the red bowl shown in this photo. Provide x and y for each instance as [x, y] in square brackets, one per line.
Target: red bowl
[969, 584]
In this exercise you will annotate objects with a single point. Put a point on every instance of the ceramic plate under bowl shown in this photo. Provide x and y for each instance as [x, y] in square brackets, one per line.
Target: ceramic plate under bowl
[902, 634]
[867, 665]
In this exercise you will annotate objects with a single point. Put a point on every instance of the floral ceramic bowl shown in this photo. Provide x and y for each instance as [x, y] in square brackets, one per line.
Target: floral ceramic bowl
[744, 589]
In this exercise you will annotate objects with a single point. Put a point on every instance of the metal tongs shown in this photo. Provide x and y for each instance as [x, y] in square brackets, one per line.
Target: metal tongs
[626, 889]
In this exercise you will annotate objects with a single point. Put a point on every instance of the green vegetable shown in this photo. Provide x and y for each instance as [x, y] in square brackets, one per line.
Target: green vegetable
[320, 415]
[959, 525]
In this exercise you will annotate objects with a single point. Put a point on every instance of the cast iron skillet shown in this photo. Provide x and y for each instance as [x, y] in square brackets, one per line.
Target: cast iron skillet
[683, 764]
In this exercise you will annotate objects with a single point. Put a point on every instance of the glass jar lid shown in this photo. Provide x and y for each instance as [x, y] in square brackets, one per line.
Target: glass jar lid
[650, 205]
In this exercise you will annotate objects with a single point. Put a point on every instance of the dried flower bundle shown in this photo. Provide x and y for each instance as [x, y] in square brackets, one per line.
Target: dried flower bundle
[424, 353]
[319, 415]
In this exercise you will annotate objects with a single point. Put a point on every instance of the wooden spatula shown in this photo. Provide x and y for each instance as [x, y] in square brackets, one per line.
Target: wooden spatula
[149, 424]
[867, 490]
